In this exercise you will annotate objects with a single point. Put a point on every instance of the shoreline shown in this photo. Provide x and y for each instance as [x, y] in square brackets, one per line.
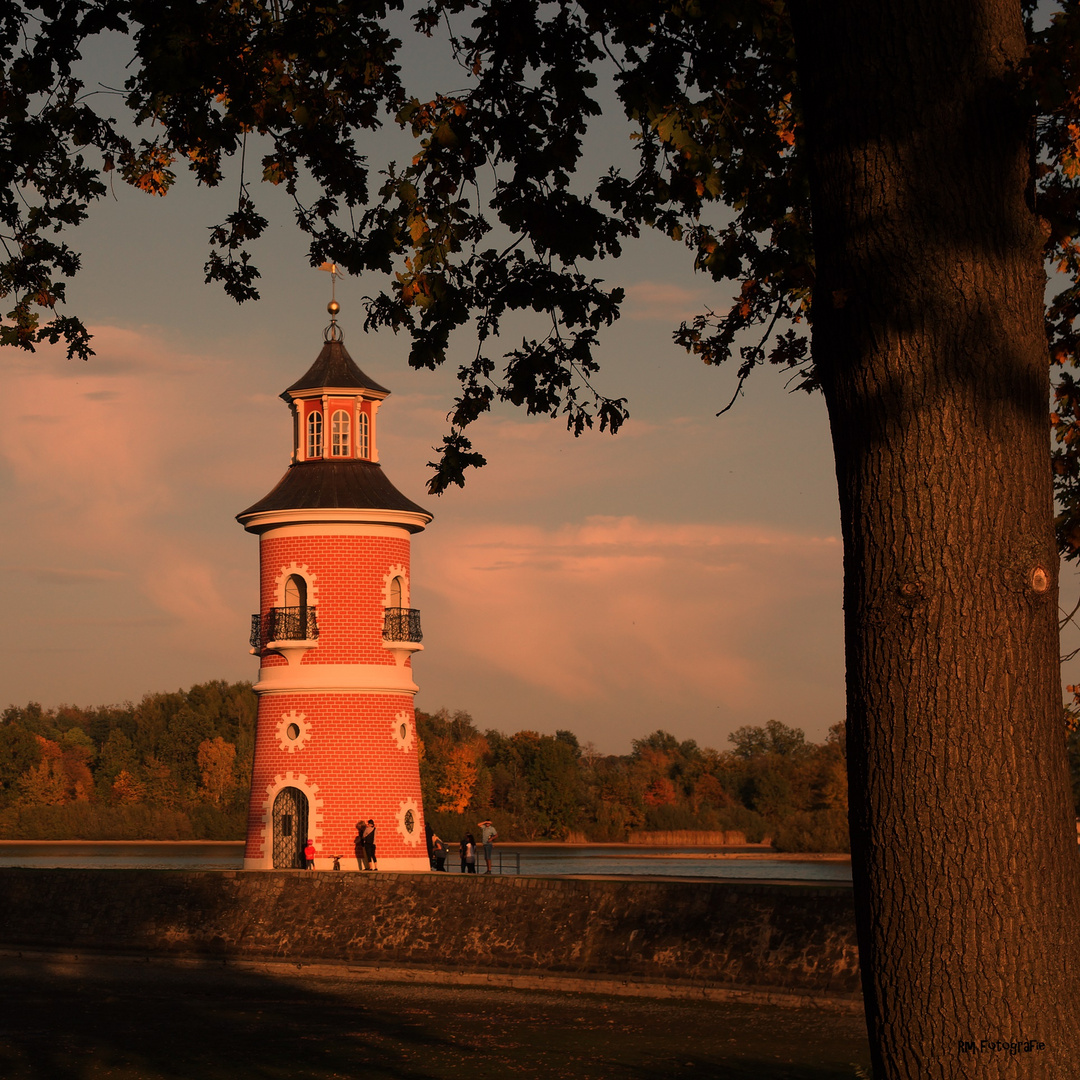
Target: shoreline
[117, 843]
[604, 850]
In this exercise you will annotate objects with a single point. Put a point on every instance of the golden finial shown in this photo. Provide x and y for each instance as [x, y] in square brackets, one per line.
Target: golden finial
[332, 332]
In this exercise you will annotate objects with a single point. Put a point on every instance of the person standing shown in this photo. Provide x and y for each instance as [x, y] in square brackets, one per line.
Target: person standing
[369, 844]
[463, 846]
[309, 855]
[488, 836]
[358, 846]
[470, 853]
[438, 853]
[429, 832]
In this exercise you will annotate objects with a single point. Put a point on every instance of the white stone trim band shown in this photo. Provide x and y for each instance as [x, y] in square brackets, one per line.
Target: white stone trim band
[329, 678]
[268, 519]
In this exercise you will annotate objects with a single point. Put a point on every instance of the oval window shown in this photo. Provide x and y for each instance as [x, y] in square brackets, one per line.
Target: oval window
[410, 821]
[404, 731]
[293, 731]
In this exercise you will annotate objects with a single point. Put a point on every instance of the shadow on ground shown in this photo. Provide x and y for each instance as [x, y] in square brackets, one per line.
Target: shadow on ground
[155, 1020]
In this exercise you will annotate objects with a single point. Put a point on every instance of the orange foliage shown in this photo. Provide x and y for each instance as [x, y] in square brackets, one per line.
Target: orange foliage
[126, 789]
[216, 760]
[661, 792]
[462, 769]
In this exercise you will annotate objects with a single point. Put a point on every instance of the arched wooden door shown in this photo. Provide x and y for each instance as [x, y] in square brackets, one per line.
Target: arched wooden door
[290, 829]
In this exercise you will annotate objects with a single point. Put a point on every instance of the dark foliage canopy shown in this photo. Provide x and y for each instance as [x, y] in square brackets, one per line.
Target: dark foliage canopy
[489, 217]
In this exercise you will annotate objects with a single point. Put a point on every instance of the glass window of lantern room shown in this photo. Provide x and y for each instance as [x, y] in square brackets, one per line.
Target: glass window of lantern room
[362, 448]
[314, 434]
[340, 432]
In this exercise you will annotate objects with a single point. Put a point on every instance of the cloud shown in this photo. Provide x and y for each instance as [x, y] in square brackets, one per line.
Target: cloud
[564, 587]
[612, 608]
[649, 300]
[54, 575]
[112, 463]
[188, 588]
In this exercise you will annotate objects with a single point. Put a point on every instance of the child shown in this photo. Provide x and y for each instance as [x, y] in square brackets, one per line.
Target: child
[309, 855]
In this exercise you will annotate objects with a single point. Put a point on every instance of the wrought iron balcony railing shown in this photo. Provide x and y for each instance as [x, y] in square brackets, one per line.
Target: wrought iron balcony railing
[402, 624]
[284, 624]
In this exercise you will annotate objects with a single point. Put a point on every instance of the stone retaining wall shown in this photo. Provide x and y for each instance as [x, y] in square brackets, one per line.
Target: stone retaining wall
[787, 939]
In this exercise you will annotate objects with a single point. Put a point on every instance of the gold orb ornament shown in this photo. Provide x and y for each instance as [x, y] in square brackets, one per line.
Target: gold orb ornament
[333, 307]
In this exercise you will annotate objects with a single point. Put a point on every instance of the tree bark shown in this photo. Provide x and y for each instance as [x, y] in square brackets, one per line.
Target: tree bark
[928, 338]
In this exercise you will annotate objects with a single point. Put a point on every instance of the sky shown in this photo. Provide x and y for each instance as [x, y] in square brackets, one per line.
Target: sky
[684, 574]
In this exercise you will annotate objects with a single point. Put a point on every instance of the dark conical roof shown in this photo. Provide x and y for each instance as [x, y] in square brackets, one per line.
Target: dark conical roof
[334, 485]
[334, 367]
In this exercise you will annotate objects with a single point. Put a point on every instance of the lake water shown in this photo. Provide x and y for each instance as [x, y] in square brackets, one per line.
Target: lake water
[556, 859]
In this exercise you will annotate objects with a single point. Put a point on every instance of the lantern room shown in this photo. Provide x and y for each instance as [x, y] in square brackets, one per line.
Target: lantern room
[334, 408]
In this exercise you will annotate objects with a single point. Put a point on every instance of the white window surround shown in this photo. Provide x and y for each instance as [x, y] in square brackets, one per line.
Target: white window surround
[409, 806]
[315, 813]
[401, 574]
[404, 720]
[295, 570]
[285, 738]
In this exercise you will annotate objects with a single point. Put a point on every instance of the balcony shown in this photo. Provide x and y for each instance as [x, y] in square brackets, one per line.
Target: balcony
[282, 625]
[402, 624]
[401, 632]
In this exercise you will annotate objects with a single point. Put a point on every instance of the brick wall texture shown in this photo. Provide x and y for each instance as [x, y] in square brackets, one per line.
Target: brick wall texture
[350, 576]
[352, 765]
[353, 760]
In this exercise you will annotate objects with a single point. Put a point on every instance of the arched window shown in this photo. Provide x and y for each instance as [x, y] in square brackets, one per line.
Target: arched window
[362, 448]
[340, 433]
[295, 592]
[396, 593]
[314, 435]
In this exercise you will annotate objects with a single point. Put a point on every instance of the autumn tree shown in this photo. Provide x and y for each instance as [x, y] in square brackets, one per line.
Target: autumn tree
[462, 769]
[118, 755]
[19, 751]
[113, 756]
[46, 783]
[78, 752]
[890, 174]
[216, 759]
[549, 766]
[774, 738]
[452, 771]
[127, 789]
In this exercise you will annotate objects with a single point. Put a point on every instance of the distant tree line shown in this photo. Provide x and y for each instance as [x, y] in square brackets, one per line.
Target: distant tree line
[772, 783]
[176, 766]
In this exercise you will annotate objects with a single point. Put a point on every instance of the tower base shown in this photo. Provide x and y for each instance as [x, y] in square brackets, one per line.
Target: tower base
[411, 865]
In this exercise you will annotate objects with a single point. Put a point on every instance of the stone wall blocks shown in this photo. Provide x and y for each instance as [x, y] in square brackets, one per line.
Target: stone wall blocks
[419, 918]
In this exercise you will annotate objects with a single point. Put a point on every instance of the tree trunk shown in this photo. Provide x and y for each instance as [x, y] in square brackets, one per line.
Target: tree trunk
[928, 337]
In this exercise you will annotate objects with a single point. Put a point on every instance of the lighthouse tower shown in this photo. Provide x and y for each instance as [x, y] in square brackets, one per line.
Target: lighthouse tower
[335, 741]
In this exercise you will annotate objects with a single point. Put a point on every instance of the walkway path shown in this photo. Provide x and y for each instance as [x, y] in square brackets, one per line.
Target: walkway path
[93, 1018]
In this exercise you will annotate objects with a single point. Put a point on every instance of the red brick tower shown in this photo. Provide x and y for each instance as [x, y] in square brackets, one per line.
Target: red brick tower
[335, 742]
